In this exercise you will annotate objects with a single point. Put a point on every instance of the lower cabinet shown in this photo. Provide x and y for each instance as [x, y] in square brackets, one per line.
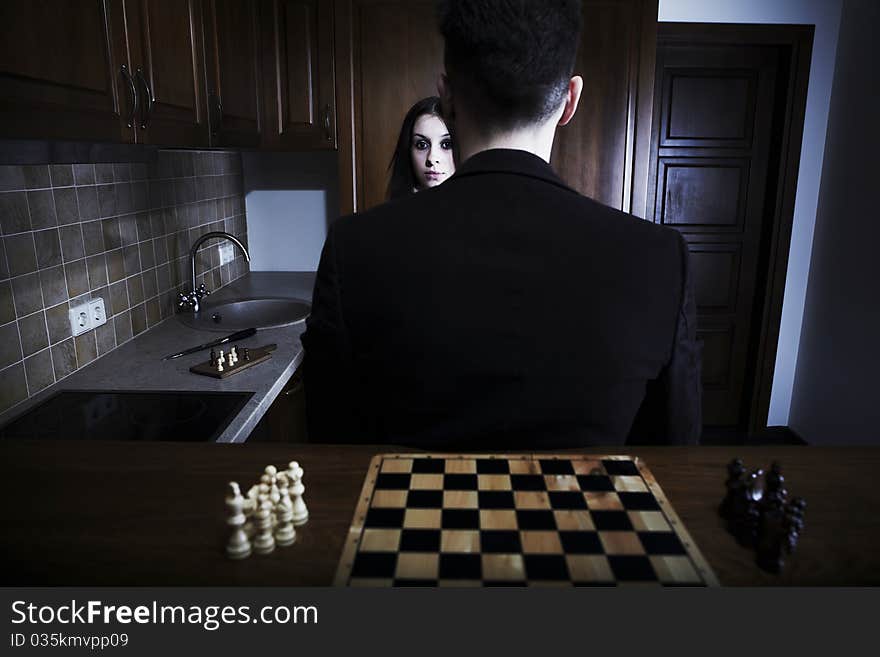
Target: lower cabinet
[285, 421]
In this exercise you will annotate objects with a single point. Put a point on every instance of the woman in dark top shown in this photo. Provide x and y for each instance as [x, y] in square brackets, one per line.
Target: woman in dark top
[424, 154]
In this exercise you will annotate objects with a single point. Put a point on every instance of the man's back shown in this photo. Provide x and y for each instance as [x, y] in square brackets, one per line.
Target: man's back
[501, 309]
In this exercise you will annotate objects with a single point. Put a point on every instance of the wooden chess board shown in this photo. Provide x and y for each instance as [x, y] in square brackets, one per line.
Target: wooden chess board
[485, 520]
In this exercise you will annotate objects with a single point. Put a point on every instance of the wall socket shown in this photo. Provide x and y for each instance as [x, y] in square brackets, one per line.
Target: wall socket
[226, 253]
[87, 316]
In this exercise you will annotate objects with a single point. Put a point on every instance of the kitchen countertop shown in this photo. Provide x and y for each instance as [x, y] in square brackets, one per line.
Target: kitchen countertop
[138, 364]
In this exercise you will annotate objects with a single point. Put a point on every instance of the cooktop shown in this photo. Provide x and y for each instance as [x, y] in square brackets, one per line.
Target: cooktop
[129, 415]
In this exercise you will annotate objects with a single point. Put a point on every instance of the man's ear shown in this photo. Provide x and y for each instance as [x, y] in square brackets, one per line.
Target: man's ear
[573, 97]
[444, 90]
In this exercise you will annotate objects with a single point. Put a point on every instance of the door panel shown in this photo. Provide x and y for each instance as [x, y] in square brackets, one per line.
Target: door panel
[233, 58]
[591, 153]
[167, 55]
[399, 54]
[298, 67]
[714, 110]
[61, 70]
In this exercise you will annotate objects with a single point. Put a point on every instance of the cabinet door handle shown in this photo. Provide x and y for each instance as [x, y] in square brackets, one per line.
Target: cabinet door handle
[218, 124]
[133, 104]
[327, 134]
[148, 104]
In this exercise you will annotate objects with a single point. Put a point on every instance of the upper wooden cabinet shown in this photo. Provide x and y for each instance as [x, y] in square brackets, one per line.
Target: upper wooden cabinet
[298, 69]
[65, 71]
[389, 54]
[232, 49]
[167, 55]
[186, 73]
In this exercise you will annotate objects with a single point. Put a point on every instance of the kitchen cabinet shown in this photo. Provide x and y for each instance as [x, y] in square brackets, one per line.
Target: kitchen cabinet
[104, 70]
[167, 54]
[232, 52]
[285, 421]
[298, 67]
[65, 71]
[389, 54]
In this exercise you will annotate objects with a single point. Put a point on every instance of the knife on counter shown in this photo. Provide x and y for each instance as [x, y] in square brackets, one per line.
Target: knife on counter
[238, 335]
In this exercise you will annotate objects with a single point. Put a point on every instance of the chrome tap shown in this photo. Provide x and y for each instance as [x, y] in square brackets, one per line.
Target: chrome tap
[191, 299]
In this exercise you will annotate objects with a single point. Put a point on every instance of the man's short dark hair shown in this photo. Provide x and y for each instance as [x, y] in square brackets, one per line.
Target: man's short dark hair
[510, 60]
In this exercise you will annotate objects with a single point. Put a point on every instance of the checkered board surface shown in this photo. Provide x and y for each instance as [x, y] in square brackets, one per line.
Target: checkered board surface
[488, 520]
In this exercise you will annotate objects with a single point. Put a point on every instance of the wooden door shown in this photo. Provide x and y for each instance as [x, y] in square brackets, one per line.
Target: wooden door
[396, 58]
[234, 78]
[165, 37]
[604, 151]
[64, 70]
[298, 69]
[713, 180]
[390, 54]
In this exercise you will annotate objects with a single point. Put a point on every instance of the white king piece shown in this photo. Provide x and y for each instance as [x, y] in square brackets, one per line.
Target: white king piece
[300, 512]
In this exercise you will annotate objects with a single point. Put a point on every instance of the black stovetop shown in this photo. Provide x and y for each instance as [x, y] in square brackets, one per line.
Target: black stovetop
[181, 416]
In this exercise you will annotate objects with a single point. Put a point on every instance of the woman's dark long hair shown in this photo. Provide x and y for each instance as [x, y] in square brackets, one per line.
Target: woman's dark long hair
[403, 179]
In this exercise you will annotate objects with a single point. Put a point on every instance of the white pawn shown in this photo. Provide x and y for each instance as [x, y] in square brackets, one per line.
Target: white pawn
[285, 534]
[265, 542]
[251, 506]
[300, 512]
[220, 361]
[239, 546]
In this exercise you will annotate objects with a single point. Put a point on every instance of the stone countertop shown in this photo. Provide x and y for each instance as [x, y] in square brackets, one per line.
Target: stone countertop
[138, 364]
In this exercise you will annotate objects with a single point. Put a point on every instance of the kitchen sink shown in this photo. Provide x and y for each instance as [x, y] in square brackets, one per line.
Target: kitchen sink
[237, 314]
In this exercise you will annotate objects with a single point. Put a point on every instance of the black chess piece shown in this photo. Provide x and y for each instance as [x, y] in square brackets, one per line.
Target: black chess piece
[734, 484]
[747, 512]
[794, 522]
[245, 354]
[775, 494]
[774, 488]
[772, 538]
[213, 361]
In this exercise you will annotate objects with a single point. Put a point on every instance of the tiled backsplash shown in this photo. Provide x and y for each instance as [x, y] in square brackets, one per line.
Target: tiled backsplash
[119, 231]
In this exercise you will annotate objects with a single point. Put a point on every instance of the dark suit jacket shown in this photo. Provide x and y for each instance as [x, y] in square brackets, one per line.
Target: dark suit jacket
[502, 309]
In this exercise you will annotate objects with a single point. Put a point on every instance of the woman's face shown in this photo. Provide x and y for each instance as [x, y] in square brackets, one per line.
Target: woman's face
[431, 151]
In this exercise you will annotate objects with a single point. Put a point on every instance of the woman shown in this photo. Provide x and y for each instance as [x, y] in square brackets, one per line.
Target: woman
[424, 154]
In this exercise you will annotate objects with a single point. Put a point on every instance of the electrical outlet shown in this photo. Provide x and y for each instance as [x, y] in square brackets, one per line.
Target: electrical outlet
[80, 319]
[97, 314]
[226, 253]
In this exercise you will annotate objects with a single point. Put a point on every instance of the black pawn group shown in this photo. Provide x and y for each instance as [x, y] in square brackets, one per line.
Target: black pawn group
[760, 515]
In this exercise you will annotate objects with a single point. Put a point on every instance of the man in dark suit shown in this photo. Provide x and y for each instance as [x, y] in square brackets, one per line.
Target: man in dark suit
[502, 309]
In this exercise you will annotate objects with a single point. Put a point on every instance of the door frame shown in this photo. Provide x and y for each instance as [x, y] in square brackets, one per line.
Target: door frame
[798, 40]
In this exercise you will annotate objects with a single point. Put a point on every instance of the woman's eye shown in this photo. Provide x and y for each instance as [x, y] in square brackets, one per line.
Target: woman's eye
[446, 144]
[421, 145]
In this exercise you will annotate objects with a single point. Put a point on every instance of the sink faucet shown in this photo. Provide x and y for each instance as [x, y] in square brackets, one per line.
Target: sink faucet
[191, 299]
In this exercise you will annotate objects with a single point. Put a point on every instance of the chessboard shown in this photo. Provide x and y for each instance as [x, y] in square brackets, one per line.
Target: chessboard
[516, 519]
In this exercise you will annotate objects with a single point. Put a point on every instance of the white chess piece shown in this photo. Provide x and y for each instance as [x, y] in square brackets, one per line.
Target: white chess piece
[300, 511]
[265, 542]
[285, 534]
[239, 546]
[233, 356]
[270, 478]
[220, 361]
[251, 506]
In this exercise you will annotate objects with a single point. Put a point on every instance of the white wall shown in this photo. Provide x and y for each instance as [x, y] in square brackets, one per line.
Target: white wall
[825, 15]
[290, 199]
[835, 390]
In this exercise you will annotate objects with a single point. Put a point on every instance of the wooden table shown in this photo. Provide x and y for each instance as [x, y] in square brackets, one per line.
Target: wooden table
[152, 514]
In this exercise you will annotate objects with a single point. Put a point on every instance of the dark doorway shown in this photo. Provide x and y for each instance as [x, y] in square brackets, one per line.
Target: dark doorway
[728, 118]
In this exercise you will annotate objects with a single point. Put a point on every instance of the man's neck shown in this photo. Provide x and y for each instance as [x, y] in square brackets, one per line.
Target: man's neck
[537, 140]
